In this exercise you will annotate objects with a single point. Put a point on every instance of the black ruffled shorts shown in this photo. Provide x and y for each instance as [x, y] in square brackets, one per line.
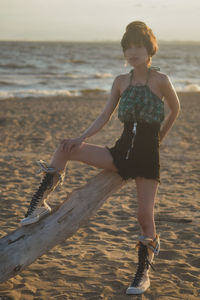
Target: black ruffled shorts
[144, 158]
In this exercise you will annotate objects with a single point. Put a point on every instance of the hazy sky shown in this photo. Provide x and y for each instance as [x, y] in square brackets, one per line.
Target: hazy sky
[97, 19]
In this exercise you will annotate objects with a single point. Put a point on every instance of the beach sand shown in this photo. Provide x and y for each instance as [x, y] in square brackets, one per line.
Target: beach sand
[98, 262]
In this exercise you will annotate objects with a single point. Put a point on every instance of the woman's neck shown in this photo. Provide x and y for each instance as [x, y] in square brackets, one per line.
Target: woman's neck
[141, 70]
[140, 73]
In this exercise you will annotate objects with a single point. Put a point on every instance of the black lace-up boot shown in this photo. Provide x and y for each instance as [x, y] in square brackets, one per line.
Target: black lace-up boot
[38, 206]
[146, 249]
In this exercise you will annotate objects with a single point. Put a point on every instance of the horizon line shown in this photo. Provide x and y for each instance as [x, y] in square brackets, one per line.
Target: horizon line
[94, 41]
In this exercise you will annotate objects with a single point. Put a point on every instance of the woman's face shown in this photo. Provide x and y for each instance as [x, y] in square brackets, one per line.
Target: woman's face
[136, 55]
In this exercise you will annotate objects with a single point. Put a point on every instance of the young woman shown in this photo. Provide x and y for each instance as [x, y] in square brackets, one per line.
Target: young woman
[136, 153]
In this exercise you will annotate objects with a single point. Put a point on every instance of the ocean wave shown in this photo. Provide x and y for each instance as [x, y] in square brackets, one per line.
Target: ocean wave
[15, 66]
[74, 76]
[87, 76]
[192, 88]
[77, 61]
[103, 75]
[187, 88]
[184, 81]
[13, 83]
[38, 93]
[6, 95]
[6, 83]
[89, 91]
[53, 67]
[32, 93]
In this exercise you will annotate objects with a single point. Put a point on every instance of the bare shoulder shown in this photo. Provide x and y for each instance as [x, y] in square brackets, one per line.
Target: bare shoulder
[122, 78]
[168, 91]
[166, 84]
[162, 83]
[122, 81]
[117, 85]
[159, 77]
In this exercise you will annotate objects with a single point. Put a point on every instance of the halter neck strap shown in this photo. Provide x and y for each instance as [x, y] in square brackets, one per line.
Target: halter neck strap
[148, 75]
[132, 74]
[131, 77]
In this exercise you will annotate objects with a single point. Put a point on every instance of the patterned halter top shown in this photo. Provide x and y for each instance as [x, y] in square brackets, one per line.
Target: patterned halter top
[139, 104]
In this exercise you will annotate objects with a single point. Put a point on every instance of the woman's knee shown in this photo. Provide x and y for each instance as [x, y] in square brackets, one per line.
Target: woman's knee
[61, 151]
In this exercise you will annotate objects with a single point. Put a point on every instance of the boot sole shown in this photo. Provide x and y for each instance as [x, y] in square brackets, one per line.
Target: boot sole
[35, 219]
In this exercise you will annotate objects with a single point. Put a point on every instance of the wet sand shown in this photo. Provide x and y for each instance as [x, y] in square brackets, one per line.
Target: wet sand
[98, 262]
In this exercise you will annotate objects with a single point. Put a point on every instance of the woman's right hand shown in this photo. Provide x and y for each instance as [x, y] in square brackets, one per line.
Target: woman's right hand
[69, 144]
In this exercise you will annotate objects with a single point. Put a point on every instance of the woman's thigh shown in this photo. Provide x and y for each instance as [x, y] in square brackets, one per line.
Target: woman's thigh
[146, 194]
[94, 155]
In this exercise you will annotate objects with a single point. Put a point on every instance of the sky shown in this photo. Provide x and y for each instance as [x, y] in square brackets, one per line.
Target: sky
[97, 20]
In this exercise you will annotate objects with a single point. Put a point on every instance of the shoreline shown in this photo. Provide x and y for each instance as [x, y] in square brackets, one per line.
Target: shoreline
[81, 94]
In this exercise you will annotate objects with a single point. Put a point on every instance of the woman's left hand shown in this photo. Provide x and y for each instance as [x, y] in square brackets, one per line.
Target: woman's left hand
[69, 144]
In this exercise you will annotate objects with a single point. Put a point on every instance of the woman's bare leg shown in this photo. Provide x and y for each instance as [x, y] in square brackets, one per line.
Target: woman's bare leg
[146, 193]
[97, 156]
[149, 243]
[94, 155]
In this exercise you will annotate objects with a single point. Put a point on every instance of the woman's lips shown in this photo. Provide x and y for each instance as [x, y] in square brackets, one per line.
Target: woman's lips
[133, 58]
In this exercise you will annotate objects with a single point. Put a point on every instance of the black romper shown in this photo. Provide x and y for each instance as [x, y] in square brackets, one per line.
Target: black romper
[136, 152]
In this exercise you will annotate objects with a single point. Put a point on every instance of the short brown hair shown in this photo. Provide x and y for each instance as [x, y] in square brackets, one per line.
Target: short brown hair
[139, 34]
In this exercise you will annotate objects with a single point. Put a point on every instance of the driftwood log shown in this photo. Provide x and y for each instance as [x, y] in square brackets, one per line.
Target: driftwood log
[23, 246]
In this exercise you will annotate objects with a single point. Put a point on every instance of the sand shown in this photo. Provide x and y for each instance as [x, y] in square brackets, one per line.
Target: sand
[98, 262]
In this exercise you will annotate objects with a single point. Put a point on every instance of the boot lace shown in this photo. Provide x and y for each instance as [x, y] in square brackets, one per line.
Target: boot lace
[143, 263]
[45, 184]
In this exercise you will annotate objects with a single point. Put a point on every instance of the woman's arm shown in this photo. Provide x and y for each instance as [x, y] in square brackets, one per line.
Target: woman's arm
[106, 112]
[69, 144]
[173, 103]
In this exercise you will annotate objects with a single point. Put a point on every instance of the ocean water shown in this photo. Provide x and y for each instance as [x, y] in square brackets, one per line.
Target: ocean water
[42, 69]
